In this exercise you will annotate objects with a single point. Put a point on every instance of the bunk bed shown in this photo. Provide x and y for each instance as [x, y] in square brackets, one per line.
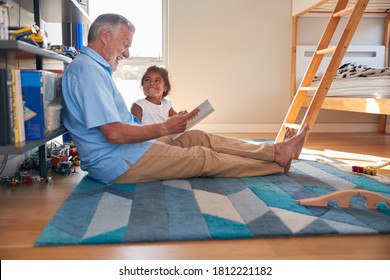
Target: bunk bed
[375, 98]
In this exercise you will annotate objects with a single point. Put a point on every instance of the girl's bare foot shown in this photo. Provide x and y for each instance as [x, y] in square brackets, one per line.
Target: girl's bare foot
[285, 151]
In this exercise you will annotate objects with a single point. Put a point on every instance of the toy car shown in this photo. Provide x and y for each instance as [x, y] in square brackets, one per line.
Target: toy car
[365, 170]
[61, 164]
[64, 50]
[357, 169]
[10, 181]
[25, 177]
[369, 170]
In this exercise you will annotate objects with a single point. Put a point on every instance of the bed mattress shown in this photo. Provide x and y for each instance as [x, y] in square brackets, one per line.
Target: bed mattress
[354, 80]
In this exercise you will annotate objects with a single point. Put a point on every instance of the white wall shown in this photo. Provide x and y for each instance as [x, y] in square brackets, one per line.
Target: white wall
[300, 5]
[236, 53]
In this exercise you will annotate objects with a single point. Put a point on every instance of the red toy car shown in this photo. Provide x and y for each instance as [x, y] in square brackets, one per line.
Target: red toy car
[357, 169]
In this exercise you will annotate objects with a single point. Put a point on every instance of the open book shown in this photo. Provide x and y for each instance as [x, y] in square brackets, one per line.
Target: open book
[205, 110]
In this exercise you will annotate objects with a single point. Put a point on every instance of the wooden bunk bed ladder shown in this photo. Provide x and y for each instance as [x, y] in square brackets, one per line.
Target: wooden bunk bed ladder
[355, 14]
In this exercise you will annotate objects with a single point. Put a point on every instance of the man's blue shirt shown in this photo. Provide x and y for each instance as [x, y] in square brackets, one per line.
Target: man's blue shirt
[90, 100]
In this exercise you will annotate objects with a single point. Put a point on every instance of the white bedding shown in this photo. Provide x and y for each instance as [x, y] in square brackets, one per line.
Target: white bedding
[354, 80]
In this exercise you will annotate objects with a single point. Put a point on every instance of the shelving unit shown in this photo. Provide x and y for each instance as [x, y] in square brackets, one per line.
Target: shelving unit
[11, 52]
[17, 49]
[23, 147]
[57, 10]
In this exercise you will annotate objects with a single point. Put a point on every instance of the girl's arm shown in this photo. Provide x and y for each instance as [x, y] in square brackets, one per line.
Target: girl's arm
[172, 112]
[136, 110]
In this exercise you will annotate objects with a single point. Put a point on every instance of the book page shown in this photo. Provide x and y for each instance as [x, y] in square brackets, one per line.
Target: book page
[205, 109]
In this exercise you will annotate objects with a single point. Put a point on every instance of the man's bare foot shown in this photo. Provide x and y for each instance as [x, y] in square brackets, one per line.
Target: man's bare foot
[290, 133]
[287, 167]
[285, 151]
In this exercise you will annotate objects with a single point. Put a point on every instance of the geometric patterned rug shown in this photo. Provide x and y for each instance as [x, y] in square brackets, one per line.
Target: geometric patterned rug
[216, 208]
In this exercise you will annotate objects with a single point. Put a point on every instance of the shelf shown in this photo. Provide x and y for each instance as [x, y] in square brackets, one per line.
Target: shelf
[26, 146]
[29, 50]
[58, 10]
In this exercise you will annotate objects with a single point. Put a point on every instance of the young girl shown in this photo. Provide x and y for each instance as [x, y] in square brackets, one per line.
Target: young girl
[154, 108]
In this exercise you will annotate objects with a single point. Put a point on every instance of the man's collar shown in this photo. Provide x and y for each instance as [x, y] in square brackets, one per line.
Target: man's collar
[97, 57]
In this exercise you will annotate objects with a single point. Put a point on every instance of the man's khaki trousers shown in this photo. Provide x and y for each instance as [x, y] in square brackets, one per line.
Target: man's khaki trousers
[199, 154]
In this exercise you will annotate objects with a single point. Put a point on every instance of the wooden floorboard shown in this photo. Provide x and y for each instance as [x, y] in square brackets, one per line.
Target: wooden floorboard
[26, 209]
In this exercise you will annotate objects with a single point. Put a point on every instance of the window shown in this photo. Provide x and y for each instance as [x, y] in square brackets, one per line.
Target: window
[148, 47]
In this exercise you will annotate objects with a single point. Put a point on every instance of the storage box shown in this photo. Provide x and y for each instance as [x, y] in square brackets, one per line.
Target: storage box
[40, 90]
[3, 22]
[53, 117]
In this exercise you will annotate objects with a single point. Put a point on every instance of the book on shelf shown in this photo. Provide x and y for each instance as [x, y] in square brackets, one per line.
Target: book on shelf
[19, 131]
[3, 108]
[7, 136]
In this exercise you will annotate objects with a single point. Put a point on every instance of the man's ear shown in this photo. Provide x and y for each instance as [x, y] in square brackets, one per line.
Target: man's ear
[105, 36]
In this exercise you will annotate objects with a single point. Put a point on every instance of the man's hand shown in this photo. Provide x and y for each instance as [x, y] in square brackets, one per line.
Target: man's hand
[179, 122]
[121, 133]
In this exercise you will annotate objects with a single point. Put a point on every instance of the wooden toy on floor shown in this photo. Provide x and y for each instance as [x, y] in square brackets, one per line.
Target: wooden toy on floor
[370, 169]
[343, 198]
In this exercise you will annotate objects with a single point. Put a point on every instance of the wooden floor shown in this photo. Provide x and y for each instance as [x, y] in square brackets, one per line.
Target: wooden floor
[26, 209]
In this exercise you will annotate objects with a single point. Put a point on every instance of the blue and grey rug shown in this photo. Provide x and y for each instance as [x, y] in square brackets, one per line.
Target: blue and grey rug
[216, 208]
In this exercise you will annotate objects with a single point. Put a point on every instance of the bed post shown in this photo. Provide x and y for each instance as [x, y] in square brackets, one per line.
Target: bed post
[386, 39]
[386, 42]
[294, 56]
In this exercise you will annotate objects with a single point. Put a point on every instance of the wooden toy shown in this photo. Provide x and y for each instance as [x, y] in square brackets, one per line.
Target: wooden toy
[369, 169]
[343, 198]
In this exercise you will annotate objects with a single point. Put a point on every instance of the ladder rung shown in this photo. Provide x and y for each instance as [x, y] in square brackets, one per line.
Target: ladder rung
[326, 51]
[308, 88]
[344, 12]
[293, 126]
